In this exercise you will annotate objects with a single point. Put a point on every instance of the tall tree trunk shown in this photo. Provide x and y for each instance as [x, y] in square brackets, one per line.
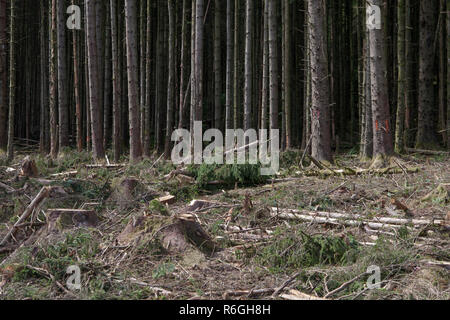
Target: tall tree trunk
[193, 73]
[76, 66]
[229, 67]
[63, 108]
[248, 88]
[199, 35]
[43, 139]
[265, 75]
[107, 131]
[448, 74]
[409, 74]
[184, 61]
[218, 118]
[367, 146]
[132, 71]
[148, 82]
[94, 92]
[3, 76]
[442, 74]
[401, 95]
[321, 134]
[382, 136]
[12, 80]
[273, 65]
[427, 133]
[116, 82]
[236, 89]
[171, 80]
[287, 73]
[53, 83]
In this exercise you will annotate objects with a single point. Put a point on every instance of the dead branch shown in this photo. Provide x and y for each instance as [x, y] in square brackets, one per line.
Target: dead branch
[6, 187]
[48, 275]
[107, 166]
[249, 293]
[37, 201]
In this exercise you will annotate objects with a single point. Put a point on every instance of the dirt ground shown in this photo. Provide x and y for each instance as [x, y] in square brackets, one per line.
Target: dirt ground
[257, 252]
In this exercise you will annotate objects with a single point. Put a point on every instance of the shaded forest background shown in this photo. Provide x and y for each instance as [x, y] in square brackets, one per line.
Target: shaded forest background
[137, 70]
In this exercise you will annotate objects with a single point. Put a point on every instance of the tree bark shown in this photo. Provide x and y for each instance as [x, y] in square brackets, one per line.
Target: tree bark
[132, 71]
[12, 79]
[401, 96]
[427, 133]
[94, 92]
[218, 109]
[3, 77]
[116, 82]
[273, 65]
[171, 80]
[382, 134]
[320, 115]
[63, 108]
[248, 87]
[53, 83]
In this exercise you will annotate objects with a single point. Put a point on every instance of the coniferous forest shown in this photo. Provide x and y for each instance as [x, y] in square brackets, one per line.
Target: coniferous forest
[355, 92]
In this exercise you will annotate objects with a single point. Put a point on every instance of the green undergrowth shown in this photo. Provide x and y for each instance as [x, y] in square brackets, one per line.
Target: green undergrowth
[228, 174]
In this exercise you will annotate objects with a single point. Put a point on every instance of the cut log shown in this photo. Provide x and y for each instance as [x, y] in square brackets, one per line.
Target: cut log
[37, 201]
[167, 200]
[349, 220]
[64, 174]
[428, 152]
[297, 295]
[357, 172]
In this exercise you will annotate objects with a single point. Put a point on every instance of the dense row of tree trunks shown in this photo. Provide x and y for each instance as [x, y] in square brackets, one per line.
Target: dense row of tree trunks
[136, 70]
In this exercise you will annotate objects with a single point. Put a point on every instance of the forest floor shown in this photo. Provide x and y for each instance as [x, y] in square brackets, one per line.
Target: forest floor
[327, 249]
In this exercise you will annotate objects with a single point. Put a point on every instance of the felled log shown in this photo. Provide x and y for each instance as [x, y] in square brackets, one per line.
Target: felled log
[427, 152]
[64, 174]
[37, 201]
[357, 172]
[349, 220]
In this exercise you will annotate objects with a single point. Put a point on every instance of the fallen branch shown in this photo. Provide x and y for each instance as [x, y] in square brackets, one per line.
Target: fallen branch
[248, 293]
[6, 187]
[48, 275]
[155, 290]
[37, 201]
[107, 166]
[344, 285]
[427, 152]
[285, 284]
